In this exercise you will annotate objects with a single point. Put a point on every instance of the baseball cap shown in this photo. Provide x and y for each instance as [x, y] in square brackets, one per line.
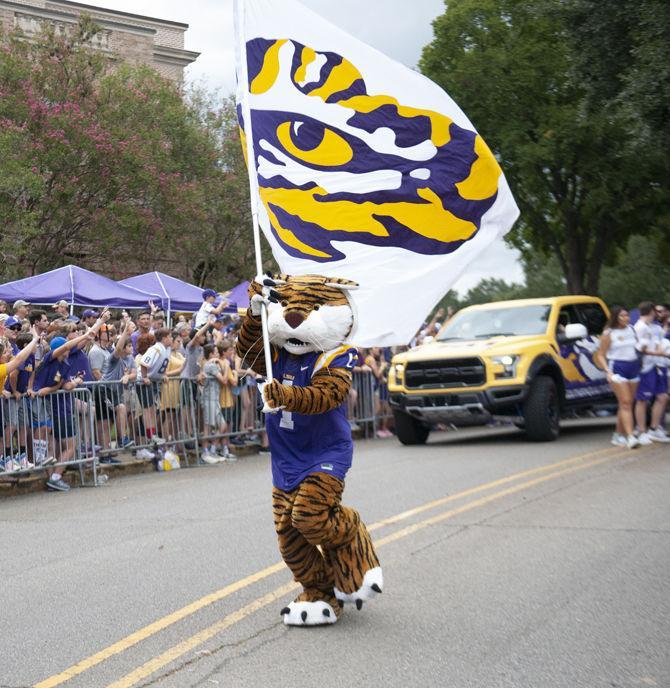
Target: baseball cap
[62, 302]
[12, 322]
[56, 342]
[206, 293]
[89, 313]
[21, 302]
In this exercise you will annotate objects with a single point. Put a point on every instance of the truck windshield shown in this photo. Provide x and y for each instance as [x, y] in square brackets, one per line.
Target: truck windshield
[492, 322]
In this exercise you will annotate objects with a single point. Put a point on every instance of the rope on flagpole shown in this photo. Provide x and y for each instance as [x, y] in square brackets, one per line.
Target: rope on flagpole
[243, 97]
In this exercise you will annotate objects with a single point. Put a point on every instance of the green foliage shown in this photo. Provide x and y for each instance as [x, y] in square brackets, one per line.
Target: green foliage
[108, 166]
[641, 273]
[536, 78]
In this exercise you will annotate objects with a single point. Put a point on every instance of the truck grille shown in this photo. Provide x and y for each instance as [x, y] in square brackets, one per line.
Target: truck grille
[454, 372]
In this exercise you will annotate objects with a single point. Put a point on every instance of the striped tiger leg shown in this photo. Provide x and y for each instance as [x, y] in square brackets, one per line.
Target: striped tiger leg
[338, 530]
[316, 604]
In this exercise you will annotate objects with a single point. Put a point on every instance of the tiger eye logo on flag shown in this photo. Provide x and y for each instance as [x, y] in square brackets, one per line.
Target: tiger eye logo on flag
[337, 162]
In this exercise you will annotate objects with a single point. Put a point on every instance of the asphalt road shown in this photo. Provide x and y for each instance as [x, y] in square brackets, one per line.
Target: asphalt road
[506, 563]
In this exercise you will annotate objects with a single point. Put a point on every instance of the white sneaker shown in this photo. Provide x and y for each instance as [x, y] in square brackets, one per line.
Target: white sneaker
[644, 439]
[657, 435]
[632, 442]
[227, 455]
[145, 454]
[618, 440]
[209, 458]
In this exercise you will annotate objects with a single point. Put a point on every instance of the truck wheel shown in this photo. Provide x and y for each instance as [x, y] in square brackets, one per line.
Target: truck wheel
[410, 430]
[541, 410]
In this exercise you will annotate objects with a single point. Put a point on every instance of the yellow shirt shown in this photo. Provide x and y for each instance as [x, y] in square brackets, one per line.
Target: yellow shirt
[3, 375]
[226, 398]
[170, 390]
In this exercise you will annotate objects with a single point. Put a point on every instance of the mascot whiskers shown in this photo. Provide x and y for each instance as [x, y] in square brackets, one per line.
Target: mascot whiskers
[325, 544]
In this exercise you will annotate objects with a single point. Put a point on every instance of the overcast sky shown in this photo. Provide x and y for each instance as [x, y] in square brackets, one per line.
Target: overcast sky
[399, 28]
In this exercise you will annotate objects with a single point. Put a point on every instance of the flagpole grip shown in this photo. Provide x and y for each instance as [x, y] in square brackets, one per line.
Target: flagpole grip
[243, 99]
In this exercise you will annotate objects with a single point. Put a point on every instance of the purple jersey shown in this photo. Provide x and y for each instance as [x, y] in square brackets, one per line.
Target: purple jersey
[48, 373]
[25, 371]
[78, 365]
[304, 444]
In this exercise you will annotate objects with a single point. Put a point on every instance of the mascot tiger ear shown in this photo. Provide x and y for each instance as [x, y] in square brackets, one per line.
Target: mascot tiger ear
[340, 283]
[313, 280]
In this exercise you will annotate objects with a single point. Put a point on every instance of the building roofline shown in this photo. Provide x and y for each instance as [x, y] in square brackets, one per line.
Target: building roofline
[95, 8]
[72, 18]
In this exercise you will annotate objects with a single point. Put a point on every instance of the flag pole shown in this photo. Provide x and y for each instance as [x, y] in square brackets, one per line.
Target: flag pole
[243, 97]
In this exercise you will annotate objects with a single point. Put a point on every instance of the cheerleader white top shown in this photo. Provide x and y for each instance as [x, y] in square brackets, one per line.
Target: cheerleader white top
[623, 343]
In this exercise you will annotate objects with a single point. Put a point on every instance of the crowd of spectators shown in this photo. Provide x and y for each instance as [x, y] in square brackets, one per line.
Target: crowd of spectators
[139, 376]
[147, 384]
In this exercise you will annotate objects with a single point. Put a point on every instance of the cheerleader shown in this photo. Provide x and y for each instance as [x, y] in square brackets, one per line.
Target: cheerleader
[618, 355]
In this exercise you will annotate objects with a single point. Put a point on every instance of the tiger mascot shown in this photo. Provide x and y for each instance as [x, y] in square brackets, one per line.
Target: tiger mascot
[326, 545]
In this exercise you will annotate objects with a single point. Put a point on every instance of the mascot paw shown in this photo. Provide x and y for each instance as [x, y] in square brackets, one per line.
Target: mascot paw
[373, 584]
[316, 613]
[270, 393]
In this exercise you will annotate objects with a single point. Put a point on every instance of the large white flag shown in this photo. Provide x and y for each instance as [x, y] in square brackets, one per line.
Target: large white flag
[366, 169]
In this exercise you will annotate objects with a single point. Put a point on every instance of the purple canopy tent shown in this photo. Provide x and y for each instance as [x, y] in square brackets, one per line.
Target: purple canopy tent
[78, 287]
[239, 295]
[177, 294]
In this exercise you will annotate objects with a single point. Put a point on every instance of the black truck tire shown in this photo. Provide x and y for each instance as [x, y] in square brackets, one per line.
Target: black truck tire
[410, 430]
[541, 411]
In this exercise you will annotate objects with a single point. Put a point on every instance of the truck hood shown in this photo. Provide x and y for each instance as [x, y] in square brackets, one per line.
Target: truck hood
[472, 347]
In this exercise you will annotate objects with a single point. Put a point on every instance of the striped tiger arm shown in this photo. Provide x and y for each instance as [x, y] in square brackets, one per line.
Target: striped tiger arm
[328, 390]
[249, 344]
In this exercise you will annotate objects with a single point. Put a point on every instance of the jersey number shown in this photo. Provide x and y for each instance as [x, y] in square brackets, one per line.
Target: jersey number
[286, 420]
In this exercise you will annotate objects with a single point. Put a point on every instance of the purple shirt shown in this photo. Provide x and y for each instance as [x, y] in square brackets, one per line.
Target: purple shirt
[304, 444]
[79, 365]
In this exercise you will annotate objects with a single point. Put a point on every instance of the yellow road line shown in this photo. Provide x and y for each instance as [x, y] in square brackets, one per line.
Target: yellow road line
[197, 605]
[182, 648]
[157, 626]
[185, 646]
[487, 486]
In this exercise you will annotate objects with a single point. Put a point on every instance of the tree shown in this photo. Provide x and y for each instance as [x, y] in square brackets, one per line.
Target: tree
[108, 166]
[570, 158]
[649, 281]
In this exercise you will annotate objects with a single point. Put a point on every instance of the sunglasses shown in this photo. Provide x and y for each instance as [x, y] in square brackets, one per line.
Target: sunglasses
[15, 328]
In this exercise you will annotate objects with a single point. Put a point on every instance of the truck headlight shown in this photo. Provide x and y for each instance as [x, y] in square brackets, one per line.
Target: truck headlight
[504, 366]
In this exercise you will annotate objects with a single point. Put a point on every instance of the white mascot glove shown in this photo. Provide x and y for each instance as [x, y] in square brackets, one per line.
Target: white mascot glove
[265, 297]
[256, 304]
[266, 407]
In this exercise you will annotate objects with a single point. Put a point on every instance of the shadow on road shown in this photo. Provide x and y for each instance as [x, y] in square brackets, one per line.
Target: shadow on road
[509, 434]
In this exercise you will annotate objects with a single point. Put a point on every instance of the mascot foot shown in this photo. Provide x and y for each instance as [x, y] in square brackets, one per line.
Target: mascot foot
[316, 613]
[373, 584]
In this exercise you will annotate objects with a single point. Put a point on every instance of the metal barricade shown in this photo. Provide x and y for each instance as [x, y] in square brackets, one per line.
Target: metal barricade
[48, 432]
[98, 422]
[144, 418]
[361, 403]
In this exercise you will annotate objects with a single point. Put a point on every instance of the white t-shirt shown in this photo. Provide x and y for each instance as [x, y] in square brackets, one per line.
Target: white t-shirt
[203, 314]
[646, 339]
[156, 360]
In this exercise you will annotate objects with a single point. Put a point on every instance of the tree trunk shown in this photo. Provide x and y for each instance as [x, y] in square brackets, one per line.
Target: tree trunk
[595, 261]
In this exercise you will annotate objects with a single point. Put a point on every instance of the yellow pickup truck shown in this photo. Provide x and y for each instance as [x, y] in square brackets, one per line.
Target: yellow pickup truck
[530, 360]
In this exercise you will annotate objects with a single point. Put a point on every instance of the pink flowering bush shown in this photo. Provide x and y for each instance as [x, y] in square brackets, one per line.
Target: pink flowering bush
[103, 164]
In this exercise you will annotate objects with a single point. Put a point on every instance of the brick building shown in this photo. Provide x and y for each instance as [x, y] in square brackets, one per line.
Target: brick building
[158, 43]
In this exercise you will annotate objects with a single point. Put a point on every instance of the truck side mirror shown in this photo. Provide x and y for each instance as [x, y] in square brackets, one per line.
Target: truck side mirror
[572, 333]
